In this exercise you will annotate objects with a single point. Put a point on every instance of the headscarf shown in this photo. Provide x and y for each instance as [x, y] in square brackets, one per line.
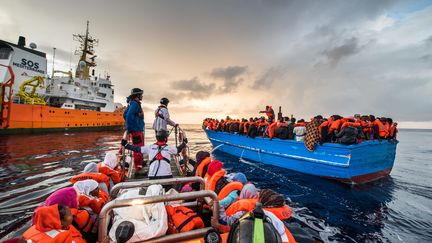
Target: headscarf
[91, 167]
[249, 191]
[214, 167]
[66, 196]
[86, 186]
[240, 177]
[110, 159]
[271, 199]
[47, 218]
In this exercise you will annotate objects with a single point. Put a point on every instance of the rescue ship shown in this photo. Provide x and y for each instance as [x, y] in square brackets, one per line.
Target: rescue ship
[30, 101]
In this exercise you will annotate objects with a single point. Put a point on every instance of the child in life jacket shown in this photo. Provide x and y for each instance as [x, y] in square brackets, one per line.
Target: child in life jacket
[90, 195]
[91, 171]
[53, 224]
[110, 168]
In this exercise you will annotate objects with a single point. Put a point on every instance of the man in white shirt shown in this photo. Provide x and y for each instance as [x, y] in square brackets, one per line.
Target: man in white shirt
[162, 117]
[300, 131]
[160, 154]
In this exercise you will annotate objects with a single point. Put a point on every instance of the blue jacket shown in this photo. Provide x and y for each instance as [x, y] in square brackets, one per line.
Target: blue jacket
[134, 117]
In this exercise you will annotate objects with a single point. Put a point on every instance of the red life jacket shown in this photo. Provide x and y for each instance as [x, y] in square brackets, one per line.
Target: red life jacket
[182, 219]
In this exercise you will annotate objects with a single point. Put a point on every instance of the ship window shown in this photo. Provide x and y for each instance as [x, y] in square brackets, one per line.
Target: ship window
[61, 87]
[4, 52]
[113, 92]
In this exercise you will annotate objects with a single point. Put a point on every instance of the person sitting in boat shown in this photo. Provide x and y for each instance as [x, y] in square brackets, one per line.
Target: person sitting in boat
[262, 126]
[203, 159]
[300, 130]
[269, 112]
[272, 203]
[91, 172]
[160, 154]
[347, 135]
[393, 129]
[110, 168]
[135, 124]
[162, 117]
[90, 195]
[231, 191]
[259, 226]
[53, 224]
[83, 220]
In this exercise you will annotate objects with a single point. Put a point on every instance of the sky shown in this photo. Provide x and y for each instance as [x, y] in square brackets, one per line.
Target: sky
[234, 57]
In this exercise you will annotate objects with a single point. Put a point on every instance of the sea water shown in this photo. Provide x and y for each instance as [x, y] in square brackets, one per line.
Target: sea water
[394, 209]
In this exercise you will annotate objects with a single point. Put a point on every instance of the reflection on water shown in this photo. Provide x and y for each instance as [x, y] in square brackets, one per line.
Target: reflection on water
[395, 209]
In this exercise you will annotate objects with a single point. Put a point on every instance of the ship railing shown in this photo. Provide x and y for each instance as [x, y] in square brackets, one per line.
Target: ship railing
[145, 183]
[193, 234]
[6, 97]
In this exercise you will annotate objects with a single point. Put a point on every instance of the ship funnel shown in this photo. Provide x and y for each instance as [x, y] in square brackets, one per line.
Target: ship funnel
[21, 41]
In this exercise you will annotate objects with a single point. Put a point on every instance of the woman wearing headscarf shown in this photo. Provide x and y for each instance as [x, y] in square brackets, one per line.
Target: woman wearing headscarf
[91, 171]
[83, 220]
[109, 168]
[233, 195]
[90, 195]
[53, 224]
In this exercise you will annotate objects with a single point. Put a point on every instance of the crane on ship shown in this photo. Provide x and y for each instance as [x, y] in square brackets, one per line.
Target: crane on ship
[31, 97]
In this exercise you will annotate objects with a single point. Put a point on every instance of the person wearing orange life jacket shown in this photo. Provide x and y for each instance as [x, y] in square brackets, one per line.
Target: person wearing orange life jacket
[231, 191]
[90, 195]
[182, 219]
[379, 129]
[109, 167]
[269, 112]
[91, 172]
[215, 167]
[53, 224]
[249, 195]
[160, 154]
[83, 220]
[393, 129]
[323, 130]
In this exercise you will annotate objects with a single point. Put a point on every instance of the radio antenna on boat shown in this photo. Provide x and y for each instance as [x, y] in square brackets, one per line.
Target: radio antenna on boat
[52, 74]
[87, 44]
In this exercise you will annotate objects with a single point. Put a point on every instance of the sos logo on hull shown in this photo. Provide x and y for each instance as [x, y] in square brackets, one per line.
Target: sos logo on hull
[29, 65]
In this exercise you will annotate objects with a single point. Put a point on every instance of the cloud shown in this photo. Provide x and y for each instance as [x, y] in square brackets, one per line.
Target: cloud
[231, 76]
[266, 79]
[194, 87]
[348, 48]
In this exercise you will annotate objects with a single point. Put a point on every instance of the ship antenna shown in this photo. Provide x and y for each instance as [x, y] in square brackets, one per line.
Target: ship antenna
[52, 74]
[87, 43]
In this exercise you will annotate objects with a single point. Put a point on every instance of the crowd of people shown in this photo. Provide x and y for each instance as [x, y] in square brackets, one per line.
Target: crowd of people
[71, 214]
[334, 129]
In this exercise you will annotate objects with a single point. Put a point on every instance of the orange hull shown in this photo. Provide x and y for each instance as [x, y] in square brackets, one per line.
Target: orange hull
[39, 117]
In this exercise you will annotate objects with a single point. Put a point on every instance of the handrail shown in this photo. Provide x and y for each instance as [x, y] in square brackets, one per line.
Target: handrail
[107, 209]
[4, 121]
[170, 181]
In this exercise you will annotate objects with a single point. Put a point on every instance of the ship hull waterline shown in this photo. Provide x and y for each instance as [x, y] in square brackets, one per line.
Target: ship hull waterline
[27, 118]
[353, 164]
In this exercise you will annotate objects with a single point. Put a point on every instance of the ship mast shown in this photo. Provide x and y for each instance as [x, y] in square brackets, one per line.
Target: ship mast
[86, 51]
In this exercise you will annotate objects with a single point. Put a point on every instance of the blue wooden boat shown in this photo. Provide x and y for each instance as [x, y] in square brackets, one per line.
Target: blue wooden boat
[352, 164]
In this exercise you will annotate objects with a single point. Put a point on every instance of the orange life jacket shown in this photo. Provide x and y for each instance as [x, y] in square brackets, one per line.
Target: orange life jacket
[393, 130]
[211, 182]
[183, 219]
[381, 129]
[230, 187]
[82, 220]
[281, 213]
[113, 174]
[99, 177]
[202, 167]
[95, 203]
[352, 124]
[335, 126]
[53, 236]
[272, 129]
[290, 237]
[300, 124]
[322, 125]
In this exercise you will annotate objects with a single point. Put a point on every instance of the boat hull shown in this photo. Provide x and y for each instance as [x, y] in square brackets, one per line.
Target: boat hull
[352, 164]
[26, 118]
